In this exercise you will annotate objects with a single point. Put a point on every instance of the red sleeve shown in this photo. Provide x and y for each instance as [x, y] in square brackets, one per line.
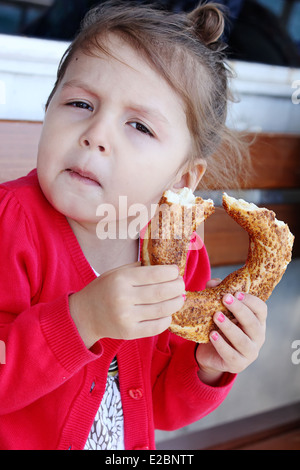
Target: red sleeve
[197, 271]
[42, 345]
[179, 397]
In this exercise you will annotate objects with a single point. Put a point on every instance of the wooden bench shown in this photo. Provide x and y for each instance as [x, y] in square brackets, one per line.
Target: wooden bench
[276, 163]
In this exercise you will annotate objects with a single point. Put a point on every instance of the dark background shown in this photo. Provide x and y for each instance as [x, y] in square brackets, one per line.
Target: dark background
[264, 31]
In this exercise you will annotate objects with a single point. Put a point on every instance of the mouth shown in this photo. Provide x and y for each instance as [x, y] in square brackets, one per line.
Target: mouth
[83, 176]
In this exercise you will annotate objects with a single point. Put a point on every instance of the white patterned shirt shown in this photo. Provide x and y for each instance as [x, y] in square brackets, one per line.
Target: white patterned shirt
[107, 432]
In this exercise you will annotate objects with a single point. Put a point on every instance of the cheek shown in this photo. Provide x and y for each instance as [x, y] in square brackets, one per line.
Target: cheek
[51, 150]
[43, 162]
[46, 142]
[44, 167]
[49, 163]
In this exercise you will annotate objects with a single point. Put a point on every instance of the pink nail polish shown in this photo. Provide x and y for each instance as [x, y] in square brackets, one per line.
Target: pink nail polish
[221, 318]
[215, 336]
[184, 297]
[229, 299]
[240, 296]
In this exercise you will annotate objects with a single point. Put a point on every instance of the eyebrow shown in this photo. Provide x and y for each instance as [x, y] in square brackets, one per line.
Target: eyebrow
[147, 111]
[79, 84]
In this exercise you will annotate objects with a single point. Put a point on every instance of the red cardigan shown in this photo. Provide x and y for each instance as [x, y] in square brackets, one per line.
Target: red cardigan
[51, 385]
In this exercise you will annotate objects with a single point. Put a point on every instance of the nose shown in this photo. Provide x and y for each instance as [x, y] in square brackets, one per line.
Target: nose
[87, 143]
[95, 137]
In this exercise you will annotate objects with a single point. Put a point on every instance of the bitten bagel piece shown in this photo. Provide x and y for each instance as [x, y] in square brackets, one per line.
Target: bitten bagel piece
[169, 233]
[270, 248]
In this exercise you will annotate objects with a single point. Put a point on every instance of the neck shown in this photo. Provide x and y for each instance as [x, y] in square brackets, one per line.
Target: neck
[105, 253]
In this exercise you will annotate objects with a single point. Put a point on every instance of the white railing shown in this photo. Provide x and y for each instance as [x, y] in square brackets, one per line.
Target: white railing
[264, 93]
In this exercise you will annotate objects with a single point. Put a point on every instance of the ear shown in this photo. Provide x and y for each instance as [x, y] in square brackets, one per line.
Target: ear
[190, 178]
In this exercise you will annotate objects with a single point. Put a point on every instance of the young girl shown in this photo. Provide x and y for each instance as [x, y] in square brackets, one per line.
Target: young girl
[138, 107]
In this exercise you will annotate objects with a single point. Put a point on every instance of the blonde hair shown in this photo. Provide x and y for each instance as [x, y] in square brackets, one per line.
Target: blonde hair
[186, 51]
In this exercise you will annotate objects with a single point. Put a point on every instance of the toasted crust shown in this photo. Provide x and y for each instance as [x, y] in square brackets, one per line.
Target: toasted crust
[168, 236]
[270, 250]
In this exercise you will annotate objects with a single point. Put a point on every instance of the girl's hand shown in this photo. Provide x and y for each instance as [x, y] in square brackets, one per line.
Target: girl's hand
[239, 343]
[127, 303]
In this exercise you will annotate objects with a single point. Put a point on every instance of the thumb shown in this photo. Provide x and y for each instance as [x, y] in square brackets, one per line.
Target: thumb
[131, 265]
[213, 282]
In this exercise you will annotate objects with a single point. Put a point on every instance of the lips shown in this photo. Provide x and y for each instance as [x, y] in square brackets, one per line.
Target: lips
[83, 176]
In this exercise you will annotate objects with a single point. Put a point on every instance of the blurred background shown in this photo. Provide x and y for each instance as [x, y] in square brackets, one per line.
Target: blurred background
[264, 31]
[263, 37]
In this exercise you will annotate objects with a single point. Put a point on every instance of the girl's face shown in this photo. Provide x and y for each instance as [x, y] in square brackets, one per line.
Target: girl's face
[113, 128]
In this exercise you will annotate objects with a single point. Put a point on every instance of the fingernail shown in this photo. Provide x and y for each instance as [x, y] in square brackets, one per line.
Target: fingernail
[240, 296]
[221, 317]
[184, 297]
[228, 299]
[215, 336]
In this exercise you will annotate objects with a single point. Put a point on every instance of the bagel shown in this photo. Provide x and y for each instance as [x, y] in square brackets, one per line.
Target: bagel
[269, 253]
[169, 233]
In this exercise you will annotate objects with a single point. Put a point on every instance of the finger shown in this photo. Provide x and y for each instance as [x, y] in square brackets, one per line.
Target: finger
[161, 292]
[246, 318]
[158, 310]
[237, 338]
[149, 328]
[146, 275]
[232, 360]
[213, 282]
[256, 305]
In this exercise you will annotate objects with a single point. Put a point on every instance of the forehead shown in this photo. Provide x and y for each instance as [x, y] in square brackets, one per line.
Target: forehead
[113, 51]
[119, 66]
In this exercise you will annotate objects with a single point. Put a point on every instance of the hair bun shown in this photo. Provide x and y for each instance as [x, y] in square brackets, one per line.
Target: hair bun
[207, 22]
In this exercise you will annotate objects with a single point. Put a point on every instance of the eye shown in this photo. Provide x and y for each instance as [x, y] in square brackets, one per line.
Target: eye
[141, 128]
[81, 105]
